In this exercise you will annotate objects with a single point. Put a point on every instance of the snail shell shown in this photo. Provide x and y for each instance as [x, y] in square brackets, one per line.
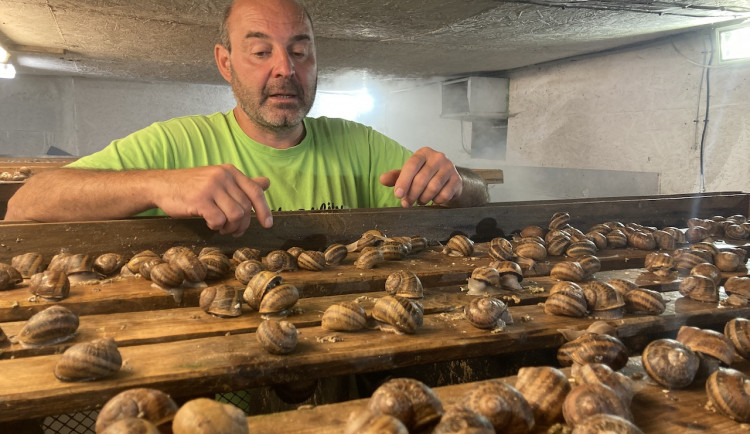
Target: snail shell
[598, 238]
[686, 259]
[559, 220]
[670, 363]
[408, 400]
[279, 260]
[278, 299]
[371, 238]
[511, 275]
[642, 240]
[502, 404]
[401, 313]
[369, 258]
[594, 348]
[664, 240]
[729, 391]
[659, 263]
[246, 254]
[277, 337]
[483, 277]
[193, 269]
[696, 234]
[246, 270]
[736, 232]
[679, 236]
[344, 316]
[130, 425]
[568, 270]
[166, 276]
[616, 239]
[708, 342]
[50, 284]
[109, 263]
[486, 312]
[217, 265]
[581, 248]
[405, 241]
[257, 287]
[557, 242]
[699, 288]
[335, 253]
[604, 300]
[592, 398]
[418, 243]
[727, 261]
[208, 416]
[590, 264]
[28, 264]
[738, 331]
[50, 326]
[60, 262]
[87, 361]
[459, 420]
[738, 285]
[642, 300]
[566, 299]
[500, 249]
[223, 301]
[134, 264]
[533, 231]
[459, 245]
[9, 277]
[532, 250]
[295, 251]
[210, 250]
[393, 250]
[147, 265]
[622, 286]
[600, 373]
[405, 284]
[173, 251]
[605, 423]
[311, 260]
[367, 422]
[152, 405]
[707, 270]
[544, 388]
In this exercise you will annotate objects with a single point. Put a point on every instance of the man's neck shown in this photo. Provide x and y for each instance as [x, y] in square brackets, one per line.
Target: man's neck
[272, 138]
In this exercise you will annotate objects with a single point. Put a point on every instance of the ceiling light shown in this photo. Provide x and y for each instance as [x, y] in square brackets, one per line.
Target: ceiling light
[4, 55]
[734, 43]
[7, 70]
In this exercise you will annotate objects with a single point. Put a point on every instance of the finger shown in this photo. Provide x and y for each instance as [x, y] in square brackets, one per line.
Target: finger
[389, 178]
[443, 191]
[421, 182]
[254, 189]
[233, 211]
[405, 178]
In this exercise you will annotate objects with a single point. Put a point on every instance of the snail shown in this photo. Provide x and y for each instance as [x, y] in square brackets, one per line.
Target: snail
[368, 258]
[589, 399]
[393, 250]
[600, 373]
[727, 261]
[108, 264]
[152, 405]
[605, 423]
[28, 264]
[173, 251]
[603, 300]
[727, 390]
[130, 425]
[279, 260]
[193, 269]
[500, 249]
[483, 280]
[278, 300]
[487, 313]
[664, 240]
[408, 400]
[544, 388]
[258, 286]
[581, 248]
[736, 232]
[707, 270]
[699, 288]
[679, 236]
[50, 284]
[79, 268]
[459, 245]
[295, 251]
[223, 301]
[147, 266]
[533, 231]
[642, 240]
[642, 300]
[590, 264]
[335, 253]
[59, 262]
[686, 259]
[661, 264]
[398, 314]
[88, 361]
[246, 270]
[217, 265]
[597, 327]
[594, 348]
[344, 316]
[575, 234]
[502, 404]
[670, 363]
[52, 325]
[510, 275]
[738, 285]
[418, 243]
[405, 284]
[134, 264]
[622, 286]
[706, 247]
[695, 234]
[404, 241]
[531, 249]
[459, 420]
[166, 276]
[707, 342]
[311, 260]
[598, 238]
[738, 332]
[246, 254]
[371, 238]
[277, 337]
[9, 277]
[566, 299]
[208, 416]
[616, 239]
[568, 270]
[367, 422]
[557, 242]
[559, 220]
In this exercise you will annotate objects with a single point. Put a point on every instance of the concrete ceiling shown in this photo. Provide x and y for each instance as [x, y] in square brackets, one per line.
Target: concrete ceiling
[173, 39]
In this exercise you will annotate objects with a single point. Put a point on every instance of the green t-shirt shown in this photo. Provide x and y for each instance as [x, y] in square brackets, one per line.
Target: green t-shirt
[337, 164]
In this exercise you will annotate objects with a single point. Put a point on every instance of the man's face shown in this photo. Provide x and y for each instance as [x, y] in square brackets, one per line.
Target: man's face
[273, 66]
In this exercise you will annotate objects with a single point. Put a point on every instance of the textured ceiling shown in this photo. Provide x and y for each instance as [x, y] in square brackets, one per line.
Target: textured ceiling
[173, 39]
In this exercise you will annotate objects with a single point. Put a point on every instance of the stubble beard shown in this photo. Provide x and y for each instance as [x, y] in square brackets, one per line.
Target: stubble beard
[279, 117]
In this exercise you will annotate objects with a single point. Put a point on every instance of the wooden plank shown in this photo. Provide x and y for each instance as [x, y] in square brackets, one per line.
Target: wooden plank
[654, 408]
[222, 363]
[490, 176]
[318, 229]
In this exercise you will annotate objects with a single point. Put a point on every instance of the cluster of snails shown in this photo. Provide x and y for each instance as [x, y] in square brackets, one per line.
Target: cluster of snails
[400, 311]
[22, 174]
[151, 411]
[704, 263]
[604, 300]
[487, 279]
[375, 247]
[735, 227]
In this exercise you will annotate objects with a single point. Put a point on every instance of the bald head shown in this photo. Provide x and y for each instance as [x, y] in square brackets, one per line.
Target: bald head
[291, 7]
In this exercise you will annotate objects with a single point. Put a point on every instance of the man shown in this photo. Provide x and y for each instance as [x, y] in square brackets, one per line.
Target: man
[262, 155]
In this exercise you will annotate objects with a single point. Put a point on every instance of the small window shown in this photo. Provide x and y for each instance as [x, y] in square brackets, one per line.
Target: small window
[734, 43]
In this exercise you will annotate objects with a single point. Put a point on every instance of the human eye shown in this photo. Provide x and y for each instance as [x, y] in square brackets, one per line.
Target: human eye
[299, 51]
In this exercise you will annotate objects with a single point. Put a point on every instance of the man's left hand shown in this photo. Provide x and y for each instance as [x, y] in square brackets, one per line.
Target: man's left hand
[428, 175]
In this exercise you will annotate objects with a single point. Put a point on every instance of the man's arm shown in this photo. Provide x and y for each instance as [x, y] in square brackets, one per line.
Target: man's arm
[222, 195]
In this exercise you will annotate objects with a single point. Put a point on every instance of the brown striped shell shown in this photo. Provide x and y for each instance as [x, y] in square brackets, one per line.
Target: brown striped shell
[149, 404]
[559, 220]
[279, 299]
[590, 264]
[223, 301]
[335, 253]
[344, 316]
[708, 342]
[566, 299]
[605, 423]
[258, 285]
[486, 274]
[50, 284]
[459, 245]
[108, 264]
[739, 285]
[405, 241]
[367, 422]
[166, 276]
[598, 238]
[130, 425]
[408, 400]
[502, 404]
[279, 260]
[600, 373]
[659, 263]
[590, 399]
[246, 254]
[173, 251]
[9, 277]
[664, 240]
[622, 286]
[738, 331]
[686, 259]
[209, 416]
[696, 234]
[368, 258]
[134, 264]
[405, 284]
[500, 249]
[486, 312]
[727, 261]
[295, 251]
[29, 264]
[147, 265]
[531, 249]
[679, 236]
[670, 363]
[594, 348]
[699, 288]
[707, 270]
[557, 242]
[642, 300]
[603, 300]
[580, 248]
[568, 270]
[736, 232]
[404, 315]
[616, 239]
[393, 250]
[59, 262]
[217, 265]
[459, 420]
[246, 270]
[89, 361]
[50, 326]
[371, 238]
[193, 269]
[729, 392]
[277, 337]
[311, 260]
[642, 240]
[418, 243]
[544, 388]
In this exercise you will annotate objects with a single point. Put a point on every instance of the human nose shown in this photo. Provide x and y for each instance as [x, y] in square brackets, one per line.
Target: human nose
[283, 66]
